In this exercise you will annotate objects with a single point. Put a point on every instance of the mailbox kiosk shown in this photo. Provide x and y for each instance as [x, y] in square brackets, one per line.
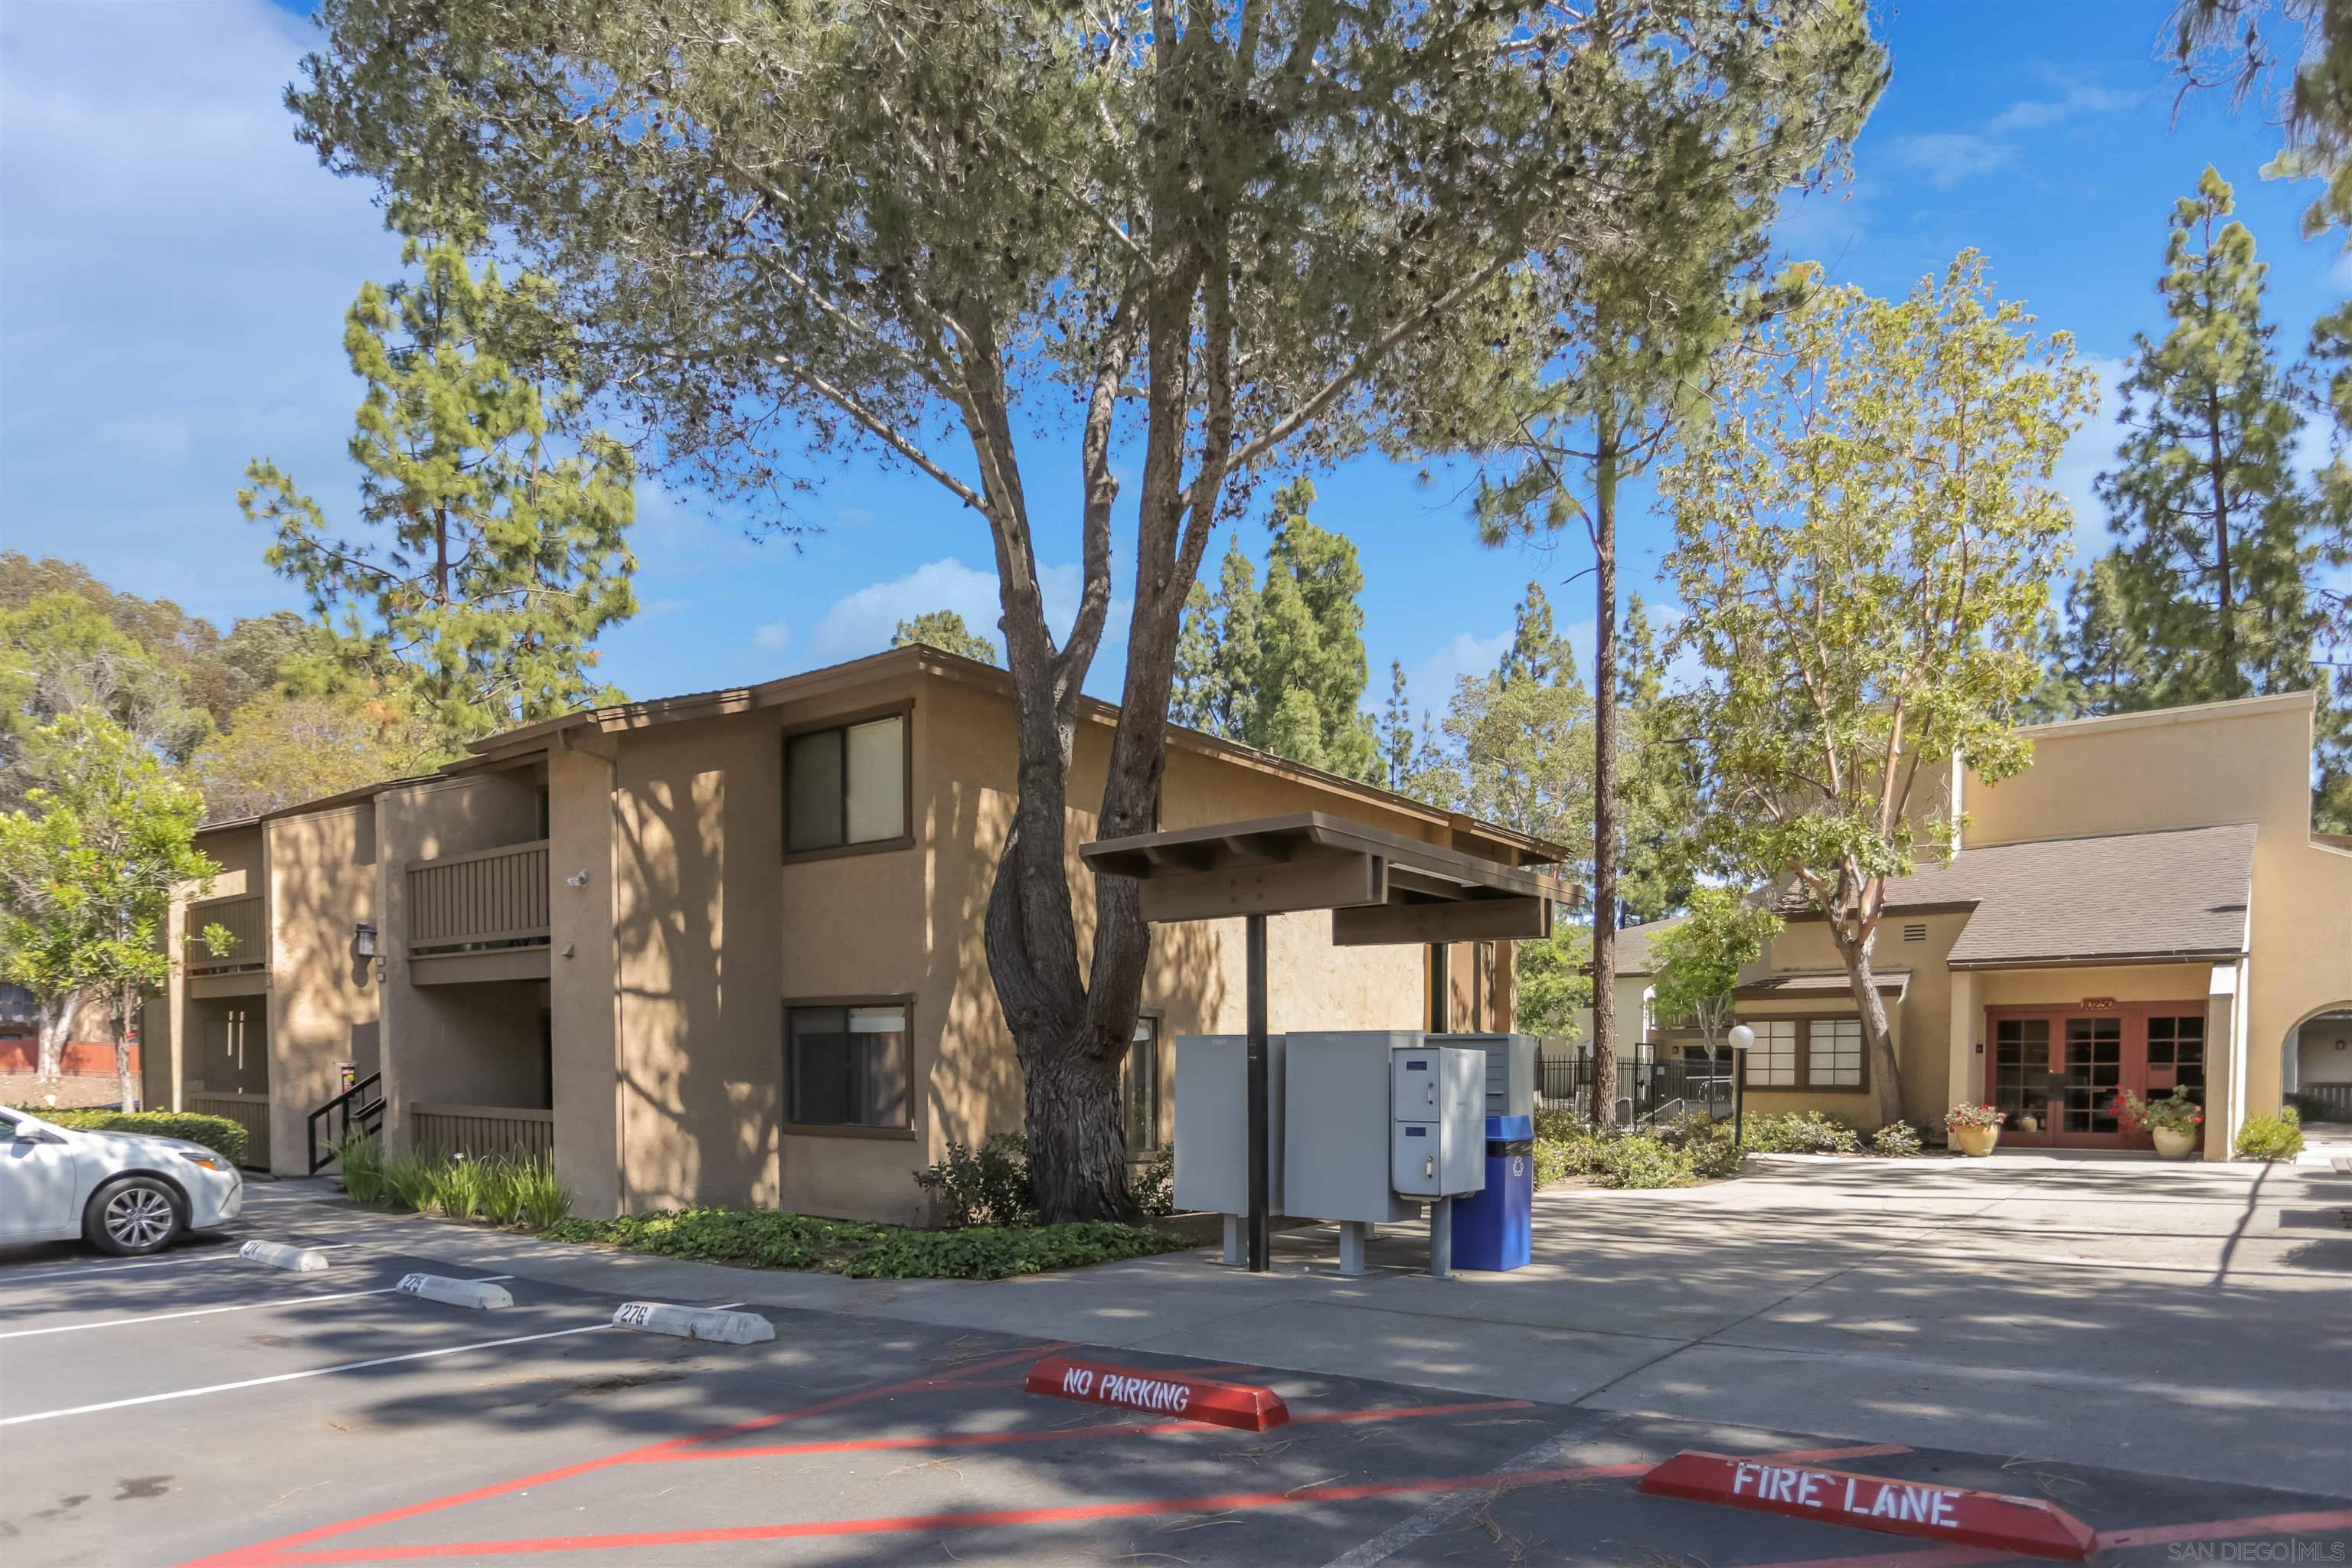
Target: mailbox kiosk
[1381, 889]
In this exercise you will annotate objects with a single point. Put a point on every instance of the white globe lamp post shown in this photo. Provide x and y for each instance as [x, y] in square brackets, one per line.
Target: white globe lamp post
[1742, 1040]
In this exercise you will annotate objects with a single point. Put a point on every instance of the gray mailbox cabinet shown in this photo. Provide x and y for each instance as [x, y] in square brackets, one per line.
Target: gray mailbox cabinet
[1510, 1069]
[1437, 1135]
[1335, 1110]
[1212, 1123]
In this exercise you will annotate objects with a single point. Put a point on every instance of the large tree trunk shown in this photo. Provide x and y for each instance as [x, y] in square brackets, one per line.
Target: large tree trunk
[57, 1029]
[1604, 785]
[1886, 1076]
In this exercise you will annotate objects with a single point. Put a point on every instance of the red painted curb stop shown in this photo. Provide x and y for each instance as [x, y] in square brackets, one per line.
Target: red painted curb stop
[2027, 1526]
[1241, 1406]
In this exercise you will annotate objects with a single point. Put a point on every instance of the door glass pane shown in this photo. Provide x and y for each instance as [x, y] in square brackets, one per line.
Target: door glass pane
[2094, 1074]
[877, 781]
[812, 786]
[2020, 1047]
[2186, 1036]
[1835, 1053]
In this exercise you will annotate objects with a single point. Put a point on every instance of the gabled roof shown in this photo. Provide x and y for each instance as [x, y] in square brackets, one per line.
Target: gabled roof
[1797, 985]
[2122, 897]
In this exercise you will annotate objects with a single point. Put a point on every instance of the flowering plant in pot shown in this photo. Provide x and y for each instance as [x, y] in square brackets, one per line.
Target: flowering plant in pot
[2172, 1121]
[1974, 1129]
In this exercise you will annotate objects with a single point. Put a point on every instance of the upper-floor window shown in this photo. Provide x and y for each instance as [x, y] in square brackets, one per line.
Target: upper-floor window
[845, 787]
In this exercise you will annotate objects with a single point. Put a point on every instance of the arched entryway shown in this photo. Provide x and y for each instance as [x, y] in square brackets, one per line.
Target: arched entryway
[2315, 1064]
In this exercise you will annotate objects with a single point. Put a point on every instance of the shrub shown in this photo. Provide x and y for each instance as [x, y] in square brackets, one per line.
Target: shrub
[1634, 1160]
[361, 1159]
[1558, 1125]
[988, 1185]
[1898, 1140]
[1801, 1133]
[455, 1188]
[542, 1198]
[408, 1181]
[2276, 1137]
[773, 1239]
[1553, 1161]
[499, 1192]
[1155, 1190]
[1715, 1154]
[219, 1133]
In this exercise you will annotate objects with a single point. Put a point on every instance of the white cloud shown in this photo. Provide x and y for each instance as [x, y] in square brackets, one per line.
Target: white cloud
[2074, 99]
[774, 637]
[1944, 158]
[862, 623]
[1429, 684]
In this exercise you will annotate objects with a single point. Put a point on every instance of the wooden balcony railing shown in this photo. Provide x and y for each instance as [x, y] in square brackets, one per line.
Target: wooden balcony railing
[490, 899]
[247, 921]
[481, 1131]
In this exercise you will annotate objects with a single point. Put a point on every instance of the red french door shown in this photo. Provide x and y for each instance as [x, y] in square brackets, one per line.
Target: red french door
[2060, 1072]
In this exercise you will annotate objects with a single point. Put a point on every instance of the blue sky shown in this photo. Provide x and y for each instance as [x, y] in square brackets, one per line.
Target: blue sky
[173, 271]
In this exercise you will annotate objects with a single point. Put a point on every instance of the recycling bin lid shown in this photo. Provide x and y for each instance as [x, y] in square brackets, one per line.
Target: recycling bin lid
[1510, 1128]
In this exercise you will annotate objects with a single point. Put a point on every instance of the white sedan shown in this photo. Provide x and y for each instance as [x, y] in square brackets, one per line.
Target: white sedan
[121, 1192]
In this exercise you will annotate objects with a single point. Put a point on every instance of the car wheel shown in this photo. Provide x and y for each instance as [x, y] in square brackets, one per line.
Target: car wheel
[134, 1215]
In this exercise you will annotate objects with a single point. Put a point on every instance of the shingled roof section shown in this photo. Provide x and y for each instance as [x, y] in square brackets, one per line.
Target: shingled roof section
[2120, 897]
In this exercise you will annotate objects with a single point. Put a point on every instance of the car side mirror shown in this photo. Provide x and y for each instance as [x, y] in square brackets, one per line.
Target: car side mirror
[36, 1135]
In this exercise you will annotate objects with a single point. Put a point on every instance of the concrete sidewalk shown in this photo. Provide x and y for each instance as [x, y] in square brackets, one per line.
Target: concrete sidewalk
[2173, 1320]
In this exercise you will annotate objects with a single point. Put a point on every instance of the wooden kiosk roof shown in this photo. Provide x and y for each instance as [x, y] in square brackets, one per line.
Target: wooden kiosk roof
[1380, 887]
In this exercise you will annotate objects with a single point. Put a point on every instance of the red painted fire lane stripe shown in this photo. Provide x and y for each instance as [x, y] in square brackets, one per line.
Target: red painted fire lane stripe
[1957, 1516]
[2219, 1529]
[1510, 1479]
[1105, 1429]
[263, 1553]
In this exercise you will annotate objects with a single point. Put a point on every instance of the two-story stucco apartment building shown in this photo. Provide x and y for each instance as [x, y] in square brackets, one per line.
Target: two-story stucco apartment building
[725, 947]
[2145, 906]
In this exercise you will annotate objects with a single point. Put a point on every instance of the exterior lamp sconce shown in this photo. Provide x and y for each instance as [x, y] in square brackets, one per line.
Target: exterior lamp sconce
[1741, 1039]
[577, 879]
[364, 940]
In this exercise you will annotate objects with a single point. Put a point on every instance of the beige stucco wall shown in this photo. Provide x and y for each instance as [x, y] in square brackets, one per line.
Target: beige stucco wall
[2217, 762]
[322, 881]
[692, 814]
[2323, 1048]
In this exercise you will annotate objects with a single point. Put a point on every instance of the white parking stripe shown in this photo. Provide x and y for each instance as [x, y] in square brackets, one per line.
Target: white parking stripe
[9, 1277]
[208, 1311]
[296, 1376]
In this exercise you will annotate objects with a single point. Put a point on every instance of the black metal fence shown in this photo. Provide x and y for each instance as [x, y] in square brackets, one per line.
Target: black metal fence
[1650, 1087]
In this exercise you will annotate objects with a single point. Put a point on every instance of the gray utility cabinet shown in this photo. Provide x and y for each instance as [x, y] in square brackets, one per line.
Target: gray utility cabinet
[1437, 1138]
[1335, 1117]
[1510, 1069]
[1212, 1123]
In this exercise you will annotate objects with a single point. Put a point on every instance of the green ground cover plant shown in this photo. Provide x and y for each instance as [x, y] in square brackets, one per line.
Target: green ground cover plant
[1801, 1133]
[219, 1133]
[773, 1238]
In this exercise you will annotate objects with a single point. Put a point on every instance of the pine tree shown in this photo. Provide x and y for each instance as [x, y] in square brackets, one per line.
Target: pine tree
[1396, 728]
[944, 630]
[1283, 667]
[489, 558]
[1657, 789]
[2216, 533]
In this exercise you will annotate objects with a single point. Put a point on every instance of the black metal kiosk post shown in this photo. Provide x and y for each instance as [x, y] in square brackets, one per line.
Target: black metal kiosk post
[1261, 1240]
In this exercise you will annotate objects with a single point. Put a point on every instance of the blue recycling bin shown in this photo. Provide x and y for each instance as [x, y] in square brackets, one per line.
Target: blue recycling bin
[1494, 1229]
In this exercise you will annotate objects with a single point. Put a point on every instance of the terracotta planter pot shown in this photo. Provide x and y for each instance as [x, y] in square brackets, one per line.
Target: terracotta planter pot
[2171, 1144]
[1975, 1140]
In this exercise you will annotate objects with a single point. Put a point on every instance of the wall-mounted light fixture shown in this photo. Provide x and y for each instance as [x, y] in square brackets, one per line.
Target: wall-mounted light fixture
[363, 939]
[577, 879]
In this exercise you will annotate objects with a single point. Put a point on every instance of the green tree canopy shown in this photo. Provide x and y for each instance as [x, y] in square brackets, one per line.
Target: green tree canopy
[87, 869]
[1215, 239]
[281, 750]
[1283, 667]
[944, 630]
[62, 655]
[1865, 534]
[488, 557]
[1697, 960]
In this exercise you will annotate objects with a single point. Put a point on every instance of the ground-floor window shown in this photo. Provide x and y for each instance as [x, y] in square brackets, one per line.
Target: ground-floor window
[849, 1065]
[1772, 1060]
[1833, 1052]
[1140, 1088]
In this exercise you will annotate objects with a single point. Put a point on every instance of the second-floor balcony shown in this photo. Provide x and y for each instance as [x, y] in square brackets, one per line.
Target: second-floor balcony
[240, 964]
[480, 916]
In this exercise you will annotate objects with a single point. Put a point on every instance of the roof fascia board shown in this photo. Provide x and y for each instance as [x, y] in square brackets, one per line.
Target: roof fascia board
[2195, 712]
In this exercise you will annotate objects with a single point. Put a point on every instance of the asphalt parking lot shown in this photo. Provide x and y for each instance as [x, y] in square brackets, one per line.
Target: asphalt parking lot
[198, 1407]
